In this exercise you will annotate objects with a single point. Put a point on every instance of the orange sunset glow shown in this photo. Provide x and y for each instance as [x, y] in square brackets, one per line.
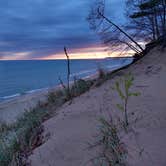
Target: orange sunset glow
[86, 53]
[95, 52]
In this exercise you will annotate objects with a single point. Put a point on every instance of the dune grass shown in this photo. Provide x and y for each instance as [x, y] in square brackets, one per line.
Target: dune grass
[22, 136]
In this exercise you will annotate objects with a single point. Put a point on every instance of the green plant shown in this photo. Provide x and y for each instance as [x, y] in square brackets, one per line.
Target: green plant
[123, 87]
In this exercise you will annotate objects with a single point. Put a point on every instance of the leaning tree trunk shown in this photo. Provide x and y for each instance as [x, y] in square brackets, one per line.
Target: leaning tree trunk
[128, 36]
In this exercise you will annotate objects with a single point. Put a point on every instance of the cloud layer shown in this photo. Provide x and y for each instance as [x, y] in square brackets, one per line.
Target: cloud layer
[39, 28]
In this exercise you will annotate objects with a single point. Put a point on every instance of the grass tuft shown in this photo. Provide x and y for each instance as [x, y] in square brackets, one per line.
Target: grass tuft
[80, 86]
[57, 98]
[112, 151]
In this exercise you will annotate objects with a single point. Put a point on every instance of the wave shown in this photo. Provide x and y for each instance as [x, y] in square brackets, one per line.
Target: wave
[10, 97]
[83, 74]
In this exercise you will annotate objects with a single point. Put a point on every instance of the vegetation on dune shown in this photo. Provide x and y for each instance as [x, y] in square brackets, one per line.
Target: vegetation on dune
[77, 88]
[18, 139]
[56, 97]
[123, 87]
[80, 86]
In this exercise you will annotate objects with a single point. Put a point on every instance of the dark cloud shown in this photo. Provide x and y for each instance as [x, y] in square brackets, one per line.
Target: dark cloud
[43, 27]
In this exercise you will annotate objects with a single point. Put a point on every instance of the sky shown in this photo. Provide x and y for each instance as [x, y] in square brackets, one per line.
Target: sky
[39, 29]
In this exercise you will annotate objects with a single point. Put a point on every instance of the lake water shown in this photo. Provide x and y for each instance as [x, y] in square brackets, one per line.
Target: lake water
[20, 77]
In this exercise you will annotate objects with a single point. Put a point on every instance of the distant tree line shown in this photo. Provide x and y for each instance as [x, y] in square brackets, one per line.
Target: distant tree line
[146, 21]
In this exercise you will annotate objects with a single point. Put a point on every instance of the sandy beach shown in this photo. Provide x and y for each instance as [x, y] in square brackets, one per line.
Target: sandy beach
[77, 124]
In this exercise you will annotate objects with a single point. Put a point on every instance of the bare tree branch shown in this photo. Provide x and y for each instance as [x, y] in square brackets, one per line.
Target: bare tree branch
[68, 70]
[109, 21]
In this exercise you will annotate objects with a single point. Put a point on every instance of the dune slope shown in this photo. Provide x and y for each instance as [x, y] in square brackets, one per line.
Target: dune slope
[77, 124]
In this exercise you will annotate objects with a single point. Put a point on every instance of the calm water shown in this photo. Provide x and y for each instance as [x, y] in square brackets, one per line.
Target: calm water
[20, 77]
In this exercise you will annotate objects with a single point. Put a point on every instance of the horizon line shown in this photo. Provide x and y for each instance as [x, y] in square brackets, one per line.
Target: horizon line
[65, 59]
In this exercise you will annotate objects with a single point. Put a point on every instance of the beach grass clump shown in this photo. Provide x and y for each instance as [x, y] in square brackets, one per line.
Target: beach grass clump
[56, 97]
[23, 136]
[112, 150]
[59, 97]
[4, 127]
[79, 87]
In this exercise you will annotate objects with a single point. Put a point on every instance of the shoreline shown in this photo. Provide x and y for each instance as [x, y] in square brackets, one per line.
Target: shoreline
[22, 103]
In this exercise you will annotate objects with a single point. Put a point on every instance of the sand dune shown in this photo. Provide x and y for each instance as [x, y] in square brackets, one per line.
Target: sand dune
[77, 123]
